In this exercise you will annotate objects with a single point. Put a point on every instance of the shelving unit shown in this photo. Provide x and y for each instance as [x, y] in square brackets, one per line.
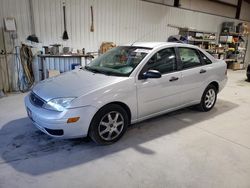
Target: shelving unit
[229, 45]
[204, 39]
[235, 45]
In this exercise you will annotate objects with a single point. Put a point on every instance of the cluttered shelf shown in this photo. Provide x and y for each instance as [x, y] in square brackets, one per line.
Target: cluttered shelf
[231, 34]
[63, 55]
[202, 40]
[230, 44]
[234, 39]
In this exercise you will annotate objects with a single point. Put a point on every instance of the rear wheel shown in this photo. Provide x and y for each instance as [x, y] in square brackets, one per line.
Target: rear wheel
[208, 99]
[248, 77]
[248, 73]
[109, 124]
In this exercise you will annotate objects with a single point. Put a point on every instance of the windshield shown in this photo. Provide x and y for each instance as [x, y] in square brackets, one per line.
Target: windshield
[119, 61]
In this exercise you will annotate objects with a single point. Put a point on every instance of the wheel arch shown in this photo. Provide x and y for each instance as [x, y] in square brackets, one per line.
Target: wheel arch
[122, 104]
[216, 85]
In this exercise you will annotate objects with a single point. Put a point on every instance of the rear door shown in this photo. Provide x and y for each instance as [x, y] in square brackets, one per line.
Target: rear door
[159, 94]
[194, 74]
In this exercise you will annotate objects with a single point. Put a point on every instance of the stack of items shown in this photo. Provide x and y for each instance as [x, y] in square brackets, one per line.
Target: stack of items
[234, 40]
[204, 39]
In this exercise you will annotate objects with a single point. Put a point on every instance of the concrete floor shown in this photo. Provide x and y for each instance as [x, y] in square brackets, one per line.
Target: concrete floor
[182, 149]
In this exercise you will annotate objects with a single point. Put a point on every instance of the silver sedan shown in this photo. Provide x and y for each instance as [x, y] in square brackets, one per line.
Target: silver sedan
[126, 85]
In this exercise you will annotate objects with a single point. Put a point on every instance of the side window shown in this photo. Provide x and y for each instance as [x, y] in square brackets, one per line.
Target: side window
[189, 57]
[205, 59]
[164, 61]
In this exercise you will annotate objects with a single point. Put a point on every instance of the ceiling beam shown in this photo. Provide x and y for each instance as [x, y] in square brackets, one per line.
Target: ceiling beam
[224, 3]
[176, 3]
[237, 16]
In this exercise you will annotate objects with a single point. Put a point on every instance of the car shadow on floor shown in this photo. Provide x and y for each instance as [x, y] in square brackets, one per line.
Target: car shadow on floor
[30, 151]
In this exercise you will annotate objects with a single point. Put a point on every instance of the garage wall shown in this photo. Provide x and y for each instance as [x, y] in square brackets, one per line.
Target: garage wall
[245, 11]
[19, 9]
[114, 20]
[210, 7]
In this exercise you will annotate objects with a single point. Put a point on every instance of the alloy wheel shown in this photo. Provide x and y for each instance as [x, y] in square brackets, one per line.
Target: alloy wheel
[210, 98]
[111, 126]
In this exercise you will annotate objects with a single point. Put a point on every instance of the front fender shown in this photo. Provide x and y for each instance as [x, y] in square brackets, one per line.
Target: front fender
[124, 92]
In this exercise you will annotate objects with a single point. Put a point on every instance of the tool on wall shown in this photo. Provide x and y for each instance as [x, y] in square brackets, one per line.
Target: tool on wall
[32, 37]
[92, 20]
[65, 33]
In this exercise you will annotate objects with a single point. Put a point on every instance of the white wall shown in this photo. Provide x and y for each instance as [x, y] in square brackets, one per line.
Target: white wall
[212, 7]
[209, 6]
[119, 21]
[245, 11]
[19, 9]
[114, 20]
[217, 8]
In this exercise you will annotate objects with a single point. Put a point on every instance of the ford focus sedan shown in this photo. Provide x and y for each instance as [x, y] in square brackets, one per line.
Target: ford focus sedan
[126, 85]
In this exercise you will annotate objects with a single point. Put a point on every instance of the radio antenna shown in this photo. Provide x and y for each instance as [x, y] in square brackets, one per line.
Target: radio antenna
[143, 36]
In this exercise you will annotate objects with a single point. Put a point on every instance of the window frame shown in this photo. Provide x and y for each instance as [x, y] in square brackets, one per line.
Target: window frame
[198, 54]
[177, 62]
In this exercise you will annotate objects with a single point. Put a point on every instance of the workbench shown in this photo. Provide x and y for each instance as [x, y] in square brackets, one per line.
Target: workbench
[73, 58]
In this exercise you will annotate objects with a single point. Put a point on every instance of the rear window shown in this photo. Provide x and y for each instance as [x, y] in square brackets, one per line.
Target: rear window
[205, 59]
[189, 57]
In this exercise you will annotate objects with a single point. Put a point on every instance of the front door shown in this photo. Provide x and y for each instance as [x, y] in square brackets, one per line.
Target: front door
[159, 94]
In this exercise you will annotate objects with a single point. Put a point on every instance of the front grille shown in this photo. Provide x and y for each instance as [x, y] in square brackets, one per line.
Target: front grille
[35, 100]
[55, 132]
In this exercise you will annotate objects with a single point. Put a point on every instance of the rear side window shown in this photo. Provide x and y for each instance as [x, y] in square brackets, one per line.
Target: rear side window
[189, 57]
[164, 61]
[205, 59]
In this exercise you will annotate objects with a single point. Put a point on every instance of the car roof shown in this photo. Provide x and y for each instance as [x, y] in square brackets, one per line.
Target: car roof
[159, 44]
[156, 45]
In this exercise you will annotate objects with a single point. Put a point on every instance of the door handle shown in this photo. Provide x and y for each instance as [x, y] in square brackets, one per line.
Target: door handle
[173, 79]
[202, 71]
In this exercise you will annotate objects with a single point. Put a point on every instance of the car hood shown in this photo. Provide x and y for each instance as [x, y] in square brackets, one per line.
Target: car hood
[73, 84]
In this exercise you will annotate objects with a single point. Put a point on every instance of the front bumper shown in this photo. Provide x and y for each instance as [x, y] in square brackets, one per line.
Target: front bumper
[55, 123]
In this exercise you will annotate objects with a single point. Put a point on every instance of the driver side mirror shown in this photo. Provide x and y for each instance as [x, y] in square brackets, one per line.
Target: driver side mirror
[151, 74]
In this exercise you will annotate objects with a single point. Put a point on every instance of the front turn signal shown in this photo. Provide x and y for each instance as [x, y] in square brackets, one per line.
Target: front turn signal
[73, 119]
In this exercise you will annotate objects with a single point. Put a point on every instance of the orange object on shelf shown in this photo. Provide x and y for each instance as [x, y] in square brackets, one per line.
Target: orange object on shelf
[105, 46]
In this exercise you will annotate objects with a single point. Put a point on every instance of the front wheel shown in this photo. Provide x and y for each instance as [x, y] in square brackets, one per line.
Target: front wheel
[109, 124]
[208, 99]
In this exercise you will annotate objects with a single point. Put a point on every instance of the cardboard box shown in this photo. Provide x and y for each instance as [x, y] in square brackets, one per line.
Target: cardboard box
[105, 46]
[235, 66]
[53, 73]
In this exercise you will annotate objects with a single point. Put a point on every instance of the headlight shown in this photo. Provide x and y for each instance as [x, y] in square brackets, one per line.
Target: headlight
[58, 104]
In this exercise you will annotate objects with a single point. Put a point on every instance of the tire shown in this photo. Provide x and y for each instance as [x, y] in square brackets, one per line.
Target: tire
[248, 73]
[109, 124]
[208, 99]
[248, 78]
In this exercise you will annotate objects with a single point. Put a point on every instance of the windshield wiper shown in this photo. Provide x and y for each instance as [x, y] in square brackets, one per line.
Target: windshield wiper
[107, 73]
[96, 70]
[91, 70]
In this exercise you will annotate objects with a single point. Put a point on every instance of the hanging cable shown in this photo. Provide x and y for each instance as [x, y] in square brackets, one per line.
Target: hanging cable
[25, 73]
